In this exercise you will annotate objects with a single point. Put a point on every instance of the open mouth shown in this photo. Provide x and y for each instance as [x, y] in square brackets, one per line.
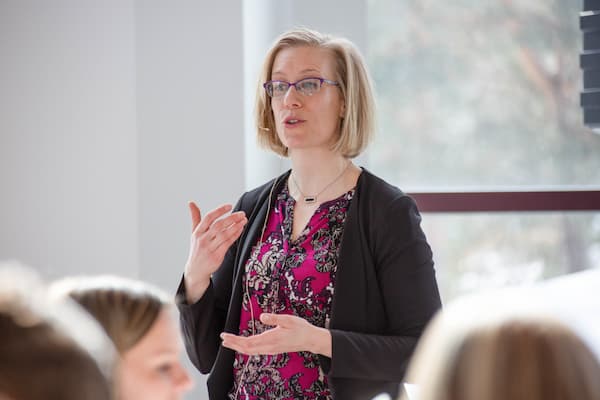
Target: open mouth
[293, 121]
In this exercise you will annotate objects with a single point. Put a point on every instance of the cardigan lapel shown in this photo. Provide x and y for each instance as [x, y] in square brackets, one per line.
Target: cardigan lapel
[256, 219]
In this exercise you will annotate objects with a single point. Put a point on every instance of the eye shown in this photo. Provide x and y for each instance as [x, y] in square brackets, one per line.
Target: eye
[164, 369]
[279, 88]
[309, 86]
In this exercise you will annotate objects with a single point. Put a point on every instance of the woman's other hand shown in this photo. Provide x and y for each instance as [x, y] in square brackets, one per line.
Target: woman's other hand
[290, 334]
[211, 238]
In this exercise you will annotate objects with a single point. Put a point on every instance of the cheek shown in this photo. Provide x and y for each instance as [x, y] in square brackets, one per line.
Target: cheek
[330, 110]
[281, 136]
[278, 124]
[275, 109]
[137, 383]
[329, 119]
[128, 381]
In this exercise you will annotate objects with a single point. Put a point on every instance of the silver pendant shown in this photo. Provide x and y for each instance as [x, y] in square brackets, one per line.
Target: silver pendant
[310, 199]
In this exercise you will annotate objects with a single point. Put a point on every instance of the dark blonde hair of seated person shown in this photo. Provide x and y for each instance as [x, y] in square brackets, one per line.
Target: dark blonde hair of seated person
[125, 308]
[137, 317]
[358, 124]
[520, 357]
[39, 359]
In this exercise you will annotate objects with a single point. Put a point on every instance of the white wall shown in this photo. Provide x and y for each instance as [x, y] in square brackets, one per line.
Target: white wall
[112, 116]
[190, 122]
[68, 141]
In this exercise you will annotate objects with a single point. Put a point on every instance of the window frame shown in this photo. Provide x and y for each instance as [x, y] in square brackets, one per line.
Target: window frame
[507, 201]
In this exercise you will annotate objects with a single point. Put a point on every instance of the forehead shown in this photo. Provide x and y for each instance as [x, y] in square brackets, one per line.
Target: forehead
[299, 60]
[162, 337]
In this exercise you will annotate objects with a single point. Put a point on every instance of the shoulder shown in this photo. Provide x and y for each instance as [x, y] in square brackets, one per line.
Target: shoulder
[260, 194]
[375, 191]
[390, 217]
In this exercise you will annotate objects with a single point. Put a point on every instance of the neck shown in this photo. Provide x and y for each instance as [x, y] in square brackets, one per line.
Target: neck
[312, 173]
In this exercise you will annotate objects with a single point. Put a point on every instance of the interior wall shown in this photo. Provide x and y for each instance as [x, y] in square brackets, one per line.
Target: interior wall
[189, 115]
[68, 140]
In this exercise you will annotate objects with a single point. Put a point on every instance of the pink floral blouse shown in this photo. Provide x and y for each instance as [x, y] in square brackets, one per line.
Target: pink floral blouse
[296, 277]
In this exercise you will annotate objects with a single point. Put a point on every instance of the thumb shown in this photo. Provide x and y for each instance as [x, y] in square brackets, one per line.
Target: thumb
[275, 319]
[195, 213]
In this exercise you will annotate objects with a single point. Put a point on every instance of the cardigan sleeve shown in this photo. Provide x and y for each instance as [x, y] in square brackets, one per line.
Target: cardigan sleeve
[407, 290]
[202, 322]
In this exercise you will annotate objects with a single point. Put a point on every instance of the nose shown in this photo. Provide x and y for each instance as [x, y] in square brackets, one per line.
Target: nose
[291, 99]
[182, 380]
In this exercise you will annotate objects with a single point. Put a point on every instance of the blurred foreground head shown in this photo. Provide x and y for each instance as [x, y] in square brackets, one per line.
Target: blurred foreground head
[139, 319]
[489, 352]
[40, 355]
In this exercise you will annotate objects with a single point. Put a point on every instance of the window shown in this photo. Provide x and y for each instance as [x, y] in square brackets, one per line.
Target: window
[481, 98]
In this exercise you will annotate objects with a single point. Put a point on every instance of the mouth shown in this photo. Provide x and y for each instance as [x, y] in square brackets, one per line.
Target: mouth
[292, 121]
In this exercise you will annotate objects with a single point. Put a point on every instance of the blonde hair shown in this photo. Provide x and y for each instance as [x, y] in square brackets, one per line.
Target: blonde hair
[125, 308]
[40, 356]
[518, 357]
[358, 123]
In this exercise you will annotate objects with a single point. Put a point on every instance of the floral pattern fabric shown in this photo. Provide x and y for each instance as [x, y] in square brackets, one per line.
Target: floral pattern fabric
[289, 276]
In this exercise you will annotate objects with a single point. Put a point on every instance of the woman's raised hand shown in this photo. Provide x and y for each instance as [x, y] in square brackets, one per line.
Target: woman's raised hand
[211, 238]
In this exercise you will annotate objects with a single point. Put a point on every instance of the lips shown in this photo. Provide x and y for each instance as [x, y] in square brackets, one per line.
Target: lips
[291, 121]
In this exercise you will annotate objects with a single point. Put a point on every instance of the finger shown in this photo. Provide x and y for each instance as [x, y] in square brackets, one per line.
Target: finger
[265, 343]
[225, 239]
[282, 320]
[195, 213]
[223, 228]
[225, 222]
[235, 347]
[209, 218]
[234, 342]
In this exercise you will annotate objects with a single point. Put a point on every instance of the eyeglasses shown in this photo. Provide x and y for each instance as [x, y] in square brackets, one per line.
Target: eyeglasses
[306, 86]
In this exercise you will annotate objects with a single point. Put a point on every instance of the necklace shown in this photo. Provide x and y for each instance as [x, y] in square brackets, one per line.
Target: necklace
[311, 199]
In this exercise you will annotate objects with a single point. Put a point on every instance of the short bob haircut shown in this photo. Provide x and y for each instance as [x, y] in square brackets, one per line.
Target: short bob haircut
[358, 123]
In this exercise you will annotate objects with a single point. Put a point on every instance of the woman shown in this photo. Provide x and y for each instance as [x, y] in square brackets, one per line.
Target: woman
[494, 353]
[321, 281]
[138, 319]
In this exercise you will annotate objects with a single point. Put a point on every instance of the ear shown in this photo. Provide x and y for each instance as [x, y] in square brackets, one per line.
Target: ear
[342, 108]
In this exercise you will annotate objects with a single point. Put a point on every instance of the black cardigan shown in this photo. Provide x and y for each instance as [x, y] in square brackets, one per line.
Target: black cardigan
[385, 293]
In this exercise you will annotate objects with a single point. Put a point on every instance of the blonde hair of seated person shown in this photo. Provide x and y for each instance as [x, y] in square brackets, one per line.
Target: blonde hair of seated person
[138, 318]
[503, 357]
[40, 357]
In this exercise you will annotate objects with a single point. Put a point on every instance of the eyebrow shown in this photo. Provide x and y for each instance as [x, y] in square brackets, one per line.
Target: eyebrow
[304, 71]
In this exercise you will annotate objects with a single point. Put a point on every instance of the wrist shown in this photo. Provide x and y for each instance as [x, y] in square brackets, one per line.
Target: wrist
[321, 342]
[195, 289]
